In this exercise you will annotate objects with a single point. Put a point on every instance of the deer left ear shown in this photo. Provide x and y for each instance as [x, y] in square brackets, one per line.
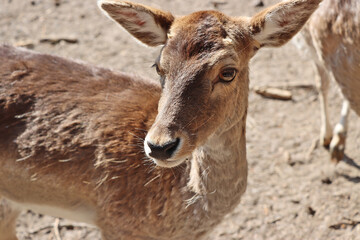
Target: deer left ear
[278, 24]
[147, 24]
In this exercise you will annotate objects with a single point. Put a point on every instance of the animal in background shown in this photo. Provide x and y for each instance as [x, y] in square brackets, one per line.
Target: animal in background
[332, 38]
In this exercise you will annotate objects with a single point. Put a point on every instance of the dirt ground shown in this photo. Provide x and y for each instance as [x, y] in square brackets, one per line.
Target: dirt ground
[294, 192]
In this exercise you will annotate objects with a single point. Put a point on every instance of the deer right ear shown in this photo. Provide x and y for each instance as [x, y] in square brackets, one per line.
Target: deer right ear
[276, 25]
[148, 25]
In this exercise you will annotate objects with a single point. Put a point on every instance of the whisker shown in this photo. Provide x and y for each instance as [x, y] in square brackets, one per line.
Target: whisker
[136, 136]
[151, 180]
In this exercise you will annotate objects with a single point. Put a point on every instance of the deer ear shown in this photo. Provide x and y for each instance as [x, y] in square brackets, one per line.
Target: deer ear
[278, 24]
[148, 25]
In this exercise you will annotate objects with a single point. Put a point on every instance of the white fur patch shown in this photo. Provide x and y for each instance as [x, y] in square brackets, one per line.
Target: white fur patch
[146, 146]
[270, 28]
[228, 41]
[345, 114]
[78, 213]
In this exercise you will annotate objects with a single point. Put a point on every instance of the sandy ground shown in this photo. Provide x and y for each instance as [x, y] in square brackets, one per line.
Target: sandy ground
[294, 192]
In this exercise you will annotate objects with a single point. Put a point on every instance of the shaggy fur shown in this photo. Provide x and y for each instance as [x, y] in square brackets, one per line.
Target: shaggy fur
[72, 135]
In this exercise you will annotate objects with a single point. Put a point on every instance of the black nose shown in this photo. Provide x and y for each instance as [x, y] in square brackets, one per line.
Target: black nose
[163, 152]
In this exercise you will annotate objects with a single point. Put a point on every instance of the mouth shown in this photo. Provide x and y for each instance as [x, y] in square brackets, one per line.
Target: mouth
[169, 163]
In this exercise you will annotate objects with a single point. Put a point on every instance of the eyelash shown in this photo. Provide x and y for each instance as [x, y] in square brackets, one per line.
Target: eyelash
[156, 66]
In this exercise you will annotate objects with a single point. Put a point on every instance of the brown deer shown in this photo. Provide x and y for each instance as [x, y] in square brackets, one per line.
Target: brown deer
[332, 36]
[72, 135]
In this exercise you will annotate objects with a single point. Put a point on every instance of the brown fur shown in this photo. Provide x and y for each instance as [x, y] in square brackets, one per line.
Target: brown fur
[71, 135]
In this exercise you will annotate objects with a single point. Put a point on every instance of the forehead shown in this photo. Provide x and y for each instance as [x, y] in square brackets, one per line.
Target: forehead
[199, 35]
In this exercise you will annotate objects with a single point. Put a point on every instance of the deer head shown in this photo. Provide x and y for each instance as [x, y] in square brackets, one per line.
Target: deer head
[203, 68]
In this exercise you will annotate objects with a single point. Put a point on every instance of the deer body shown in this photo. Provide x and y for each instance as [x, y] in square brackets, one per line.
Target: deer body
[333, 37]
[60, 110]
[138, 160]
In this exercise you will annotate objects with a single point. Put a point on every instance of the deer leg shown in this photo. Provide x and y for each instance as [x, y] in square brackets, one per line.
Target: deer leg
[8, 217]
[337, 145]
[322, 84]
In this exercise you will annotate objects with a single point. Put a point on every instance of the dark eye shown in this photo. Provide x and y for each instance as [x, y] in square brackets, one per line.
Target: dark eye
[228, 74]
[156, 66]
[162, 76]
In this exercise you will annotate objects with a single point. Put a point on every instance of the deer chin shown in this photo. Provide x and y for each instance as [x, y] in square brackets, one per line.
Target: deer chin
[169, 163]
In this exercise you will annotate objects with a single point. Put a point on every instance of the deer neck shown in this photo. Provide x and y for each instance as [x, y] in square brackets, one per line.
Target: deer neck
[218, 171]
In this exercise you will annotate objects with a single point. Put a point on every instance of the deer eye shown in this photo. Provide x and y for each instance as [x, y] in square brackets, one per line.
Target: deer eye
[156, 66]
[160, 73]
[227, 74]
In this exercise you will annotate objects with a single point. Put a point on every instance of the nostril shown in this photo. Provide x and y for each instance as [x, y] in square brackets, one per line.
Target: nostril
[172, 146]
[165, 151]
